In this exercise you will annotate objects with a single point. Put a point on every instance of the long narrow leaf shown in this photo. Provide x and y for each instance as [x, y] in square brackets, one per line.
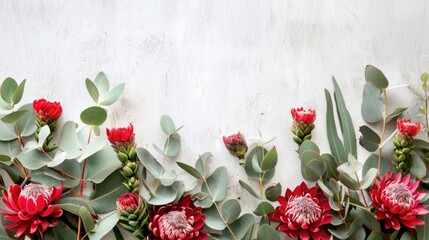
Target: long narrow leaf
[337, 148]
[349, 134]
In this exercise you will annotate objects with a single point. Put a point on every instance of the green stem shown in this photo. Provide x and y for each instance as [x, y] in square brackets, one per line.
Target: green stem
[383, 131]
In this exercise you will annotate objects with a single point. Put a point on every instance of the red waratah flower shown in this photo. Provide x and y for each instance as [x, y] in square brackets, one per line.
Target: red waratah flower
[408, 128]
[303, 213]
[121, 136]
[397, 201]
[47, 110]
[236, 145]
[29, 209]
[181, 221]
[300, 115]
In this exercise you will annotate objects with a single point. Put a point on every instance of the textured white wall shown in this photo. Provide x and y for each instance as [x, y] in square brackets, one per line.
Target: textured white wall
[215, 66]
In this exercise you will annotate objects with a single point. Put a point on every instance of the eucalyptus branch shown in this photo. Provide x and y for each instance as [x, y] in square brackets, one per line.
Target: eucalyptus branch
[383, 131]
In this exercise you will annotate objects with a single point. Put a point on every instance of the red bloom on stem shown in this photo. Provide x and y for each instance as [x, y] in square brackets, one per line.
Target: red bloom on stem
[128, 202]
[408, 128]
[300, 115]
[47, 110]
[29, 209]
[121, 136]
[236, 145]
[303, 213]
[397, 201]
[181, 220]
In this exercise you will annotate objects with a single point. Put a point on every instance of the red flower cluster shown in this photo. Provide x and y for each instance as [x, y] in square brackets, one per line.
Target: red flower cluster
[236, 145]
[300, 115]
[397, 201]
[121, 136]
[46, 110]
[303, 213]
[408, 128]
[181, 220]
[30, 210]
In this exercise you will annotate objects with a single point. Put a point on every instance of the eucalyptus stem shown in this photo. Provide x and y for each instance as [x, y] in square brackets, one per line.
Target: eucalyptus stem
[158, 182]
[383, 131]
[361, 191]
[426, 112]
[219, 211]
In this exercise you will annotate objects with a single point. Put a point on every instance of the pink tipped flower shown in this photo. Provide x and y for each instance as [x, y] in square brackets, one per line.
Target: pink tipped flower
[300, 115]
[397, 201]
[181, 220]
[408, 128]
[48, 111]
[236, 145]
[303, 213]
[29, 209]
[121, 136]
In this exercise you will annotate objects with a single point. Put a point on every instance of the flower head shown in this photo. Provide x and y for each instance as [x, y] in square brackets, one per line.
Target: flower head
[236, 145]
[303, 213]
[301, 115]
[181, 220]
[47, 111]
[397, 201]
[408, 128]
[121, 136]
[132, 211]
[29, 209]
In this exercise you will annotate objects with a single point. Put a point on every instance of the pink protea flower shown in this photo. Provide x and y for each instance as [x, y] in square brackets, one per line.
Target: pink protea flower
[181, 221]
[303, 213]
[408, 128]
[121, 136]
[397, 201]
[48, 111]
[301, 115]
[29, 209]
[236, 145]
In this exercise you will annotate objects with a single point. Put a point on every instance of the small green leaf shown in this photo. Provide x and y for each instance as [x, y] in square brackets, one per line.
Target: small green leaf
[372, 106]
[369, 139]
[92, 90]
[149, 162]
[395, 113]
[213, 219]
[94, 116]
[172, 145]
[372, 162]
[230, 210]
[87, 220]
[14, 116]
[102, 83]
[368, 179]
[337, 147]
[424, 77]
[167, 124]
[264, 208]
[376, 77]
[368, 219]
[189, 169]
[271, 193]
[418, 166]
[103, 198]
[266, 232]
[69, 142]
[63, 231]
[270, 160]
[7, 90]
[113, 95]
[93, 147]
[407, 236]
[164, 195]
[249, 189]
[348, 181]
[17, 95]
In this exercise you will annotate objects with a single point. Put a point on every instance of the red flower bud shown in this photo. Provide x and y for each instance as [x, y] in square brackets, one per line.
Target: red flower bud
[121, 136]
[408, 128]
[128, 202]
[300, 115]
[236, 145]
[47, 110]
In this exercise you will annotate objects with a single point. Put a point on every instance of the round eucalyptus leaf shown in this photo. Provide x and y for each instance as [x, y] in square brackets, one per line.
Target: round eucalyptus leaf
[267, 232]
[7, 89]
[231, 210]
[376, 77]
[263, 209]
[163, 195]
[372, 106]
[216, 184]
[271, 193]
[167, 124]
[104, 226]
[94, 116]
[14, 116]
[213, 219]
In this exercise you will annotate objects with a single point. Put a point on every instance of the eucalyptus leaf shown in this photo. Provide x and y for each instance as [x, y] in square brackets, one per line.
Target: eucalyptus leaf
[149, 162]
[271, 193]
[87, 220]
[33, 159]
[7, 89]
[27, 124]
[216, 184]
[368, 179]
[249, 189]
[100, 165]
[213, 219]
[164, 195]
[104, 226]
[266, 232]
[369, 139]
[92, 90]
[172, 145]
[230, 210]
[93, 116]
[167, 124]
[189, 169]
[93, 147]
[17, 95]
[372, 106]
[270, 160]
[418, 166]
[14, 116]
[395, 113]
[113, 95]
[63, 231]
[58, 159]
[376, 77]
[102, 83]
[263, 209]
[69, 142]
[103, 198]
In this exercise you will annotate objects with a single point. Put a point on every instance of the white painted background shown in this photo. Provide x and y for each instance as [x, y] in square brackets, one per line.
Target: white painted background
[215, 66]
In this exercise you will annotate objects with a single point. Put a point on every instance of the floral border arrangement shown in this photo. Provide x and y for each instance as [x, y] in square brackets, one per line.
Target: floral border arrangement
[76, 184]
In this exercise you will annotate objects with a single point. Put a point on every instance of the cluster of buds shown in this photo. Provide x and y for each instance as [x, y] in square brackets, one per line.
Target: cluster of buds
[404, 143]
[122, 140]
[236, 145]
[133, 214]
[47, 114]
[303, 124]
